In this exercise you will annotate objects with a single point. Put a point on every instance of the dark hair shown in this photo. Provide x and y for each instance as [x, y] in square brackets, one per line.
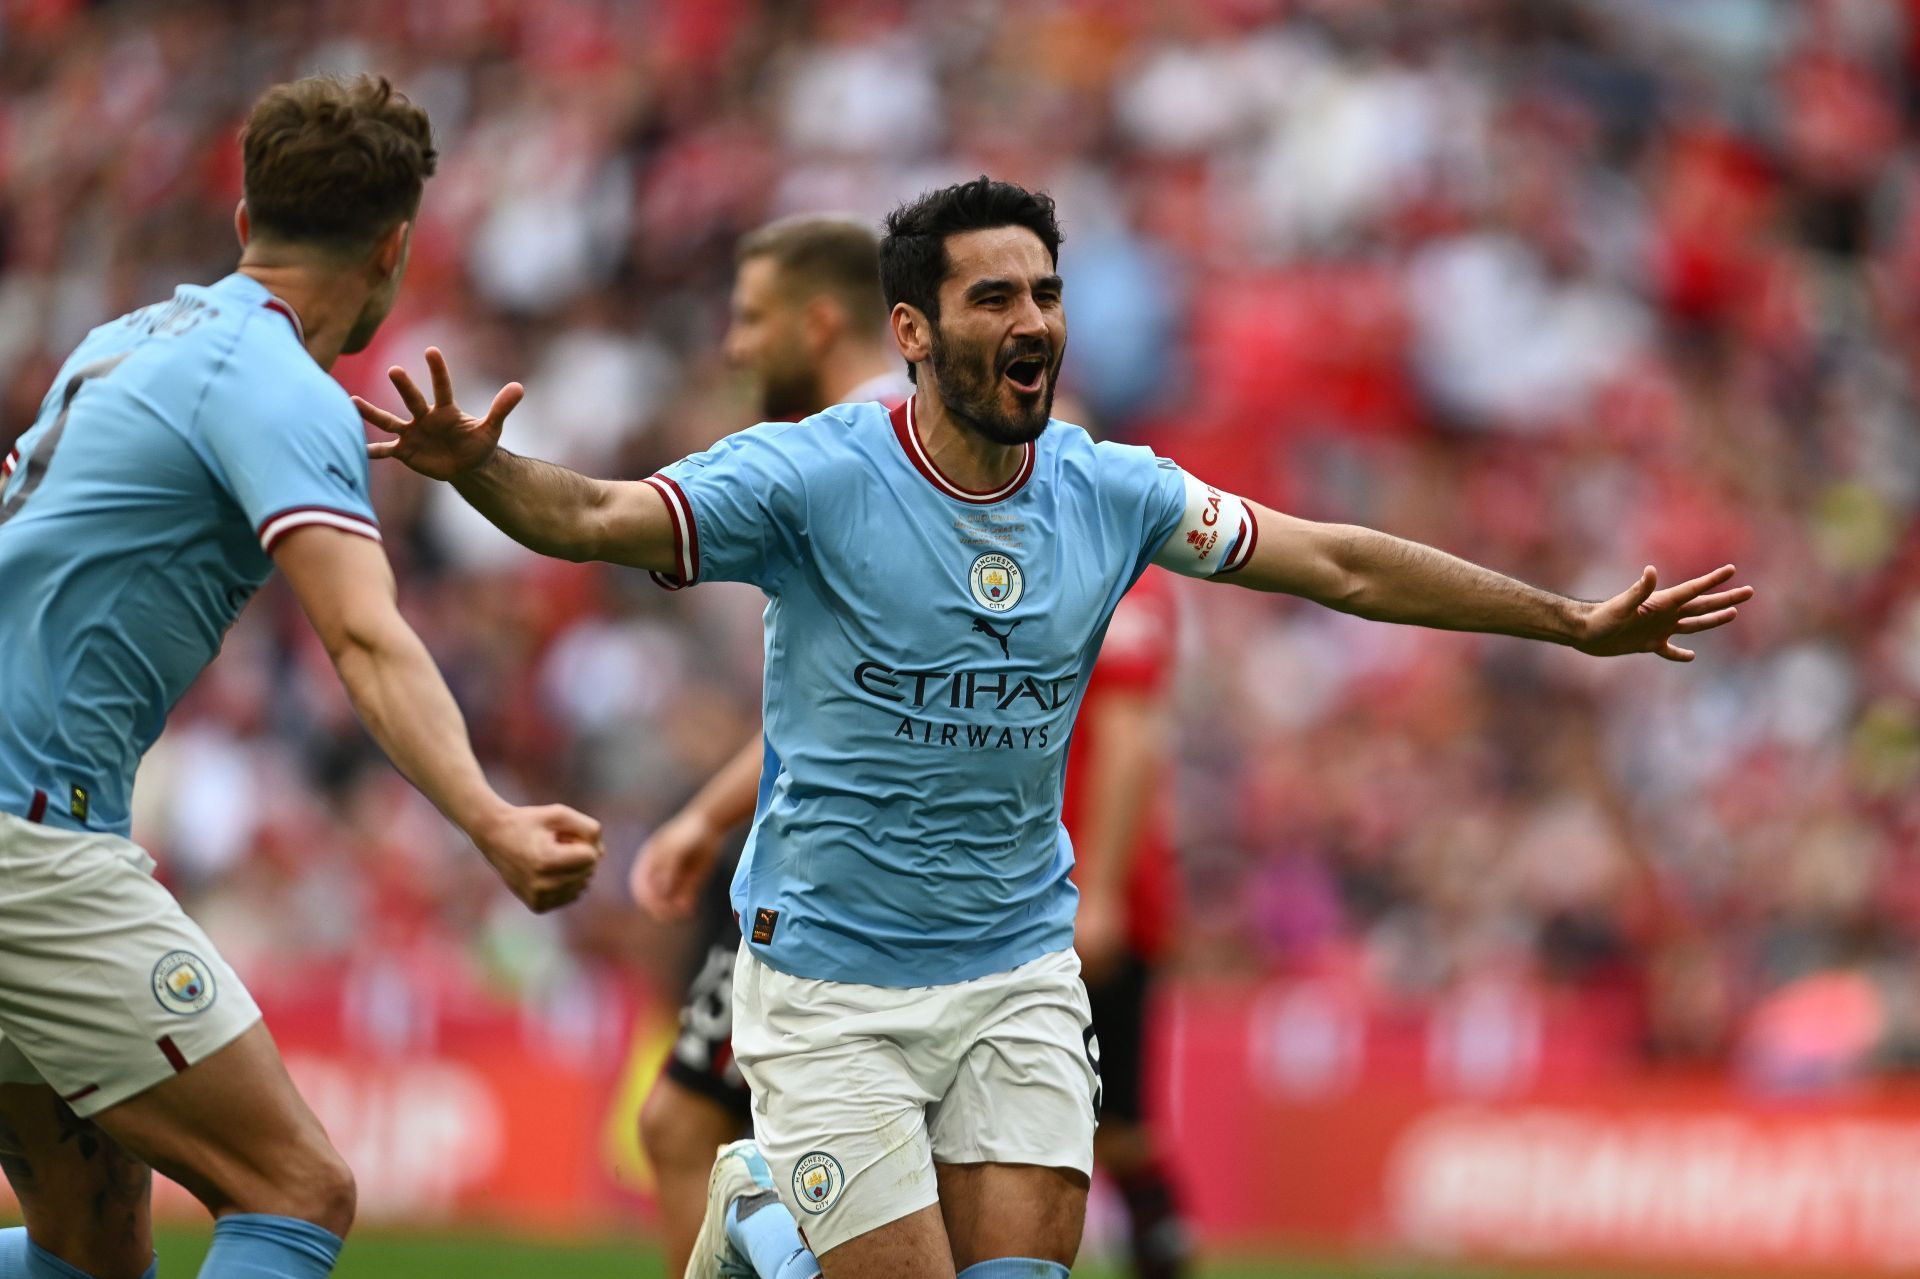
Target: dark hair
[913, 253]
[838, 256]
[334, 162]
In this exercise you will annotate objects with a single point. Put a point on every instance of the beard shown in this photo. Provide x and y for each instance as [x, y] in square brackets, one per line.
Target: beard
[971, 381]
[790, 392]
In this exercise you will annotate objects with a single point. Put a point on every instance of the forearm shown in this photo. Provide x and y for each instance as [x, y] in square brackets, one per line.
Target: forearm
[730, 795]
[544, 507]
[399, 695]
[1389, 579]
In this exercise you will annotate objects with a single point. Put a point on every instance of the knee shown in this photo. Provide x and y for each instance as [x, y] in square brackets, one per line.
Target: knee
[315, 1186]
[671, 1135]
[334, 1194]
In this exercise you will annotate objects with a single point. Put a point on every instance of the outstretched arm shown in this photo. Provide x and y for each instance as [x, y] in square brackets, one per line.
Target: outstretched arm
[545, 854]
[1376, 575]
[544, 507]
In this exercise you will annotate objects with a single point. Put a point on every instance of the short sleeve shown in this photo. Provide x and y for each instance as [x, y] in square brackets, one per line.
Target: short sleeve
[738, 509]
[1146, 493]
[291, 457]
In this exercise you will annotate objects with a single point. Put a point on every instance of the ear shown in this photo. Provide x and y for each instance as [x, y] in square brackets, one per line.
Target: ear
[912, 332]
[242, 224]
[821, 323]
[391, 250]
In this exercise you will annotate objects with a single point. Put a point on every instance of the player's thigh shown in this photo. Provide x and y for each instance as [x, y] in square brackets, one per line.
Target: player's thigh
[107, 988]
[839, 1106]
[83, 1197]
[914, 1245]
[1012, 1210]
[235, 1131]
[1013, 1135]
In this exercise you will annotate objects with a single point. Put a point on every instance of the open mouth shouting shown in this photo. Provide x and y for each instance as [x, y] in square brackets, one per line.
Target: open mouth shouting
[1027, 373]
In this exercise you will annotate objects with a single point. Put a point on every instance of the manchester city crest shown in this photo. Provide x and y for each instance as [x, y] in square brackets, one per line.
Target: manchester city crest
[817, 1180]
[996, 582]
[183, 983]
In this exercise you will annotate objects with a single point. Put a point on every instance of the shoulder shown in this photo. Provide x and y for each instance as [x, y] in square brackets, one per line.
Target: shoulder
[269, 369]
[1125, 470]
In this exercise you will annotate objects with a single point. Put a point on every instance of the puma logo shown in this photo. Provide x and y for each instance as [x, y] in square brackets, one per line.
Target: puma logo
[343, 477]
[980, 624]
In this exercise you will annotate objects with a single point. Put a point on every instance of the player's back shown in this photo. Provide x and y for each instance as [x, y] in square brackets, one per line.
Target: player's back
[175, 445]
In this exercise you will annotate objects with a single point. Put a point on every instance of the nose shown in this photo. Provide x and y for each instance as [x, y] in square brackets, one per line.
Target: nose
[1029, 320]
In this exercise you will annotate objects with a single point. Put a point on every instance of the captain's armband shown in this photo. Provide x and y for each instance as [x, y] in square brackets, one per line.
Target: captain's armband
[1215, 535]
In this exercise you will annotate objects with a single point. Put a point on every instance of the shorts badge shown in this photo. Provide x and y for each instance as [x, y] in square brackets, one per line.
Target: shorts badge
[817, 1180]
[183, 983]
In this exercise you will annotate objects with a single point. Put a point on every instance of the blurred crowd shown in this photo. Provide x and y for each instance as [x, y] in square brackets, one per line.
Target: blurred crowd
[1567, 288]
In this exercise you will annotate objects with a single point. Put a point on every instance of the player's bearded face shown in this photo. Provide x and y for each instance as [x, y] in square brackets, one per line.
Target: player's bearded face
[1004, 389]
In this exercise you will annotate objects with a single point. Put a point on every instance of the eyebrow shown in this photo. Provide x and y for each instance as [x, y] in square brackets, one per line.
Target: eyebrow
[999, 284]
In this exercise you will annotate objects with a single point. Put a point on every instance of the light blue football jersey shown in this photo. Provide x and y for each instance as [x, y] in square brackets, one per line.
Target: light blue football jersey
[176, 447]
[926, 649]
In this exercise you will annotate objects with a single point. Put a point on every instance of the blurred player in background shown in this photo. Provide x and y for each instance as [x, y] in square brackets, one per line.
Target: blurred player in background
[809, 328]
[909, 1010]
[184, 452]
[1115, 808]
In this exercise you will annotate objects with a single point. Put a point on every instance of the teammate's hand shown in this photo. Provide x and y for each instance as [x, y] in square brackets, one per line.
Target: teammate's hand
[440, 441]
[1100, 937]
[546, 854]
[672, 865]
[1643, 620]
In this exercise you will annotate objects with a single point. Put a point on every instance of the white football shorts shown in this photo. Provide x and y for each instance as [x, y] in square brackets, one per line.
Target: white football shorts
[859, 1090]
[106, 987]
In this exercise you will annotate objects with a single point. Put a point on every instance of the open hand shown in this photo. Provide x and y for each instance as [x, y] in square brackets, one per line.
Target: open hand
[1643, 620]
[672, 865]
[440, 441]
[545, 854]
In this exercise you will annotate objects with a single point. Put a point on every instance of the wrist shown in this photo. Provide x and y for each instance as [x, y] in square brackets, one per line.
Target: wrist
[483, 818]
[1576, 622]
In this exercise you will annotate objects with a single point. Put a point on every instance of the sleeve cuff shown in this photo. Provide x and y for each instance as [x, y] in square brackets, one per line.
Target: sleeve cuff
[686, 536]
[278, 525]
[1243, 546]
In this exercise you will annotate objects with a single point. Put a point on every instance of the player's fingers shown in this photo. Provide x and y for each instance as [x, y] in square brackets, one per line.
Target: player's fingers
[442, 379]
[378, 449]
[409, 393]
[1638, 593]
[571, 823]
[1706, 582]
[1705, 622]
[1717, 601]
[504, 403]
[1674, 653]
[374, 415]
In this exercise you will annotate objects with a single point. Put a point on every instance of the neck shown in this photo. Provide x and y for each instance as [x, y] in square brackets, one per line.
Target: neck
[963, 455]
[327, 301]
[844, 372]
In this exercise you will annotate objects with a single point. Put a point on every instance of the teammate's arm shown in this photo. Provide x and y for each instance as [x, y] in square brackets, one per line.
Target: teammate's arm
[544, 507]
[545, 854]
[678, 857]
[1389, 579]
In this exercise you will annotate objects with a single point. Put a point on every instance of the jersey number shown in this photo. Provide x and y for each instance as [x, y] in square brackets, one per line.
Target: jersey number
[33, 467]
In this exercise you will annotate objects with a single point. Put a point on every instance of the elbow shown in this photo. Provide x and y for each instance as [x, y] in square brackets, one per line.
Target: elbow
[359, 638]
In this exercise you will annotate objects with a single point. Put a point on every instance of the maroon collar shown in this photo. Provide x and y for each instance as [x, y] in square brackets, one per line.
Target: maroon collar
[293, 317]
[903, 426]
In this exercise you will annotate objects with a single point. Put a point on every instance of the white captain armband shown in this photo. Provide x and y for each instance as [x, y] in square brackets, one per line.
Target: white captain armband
[1216, 534]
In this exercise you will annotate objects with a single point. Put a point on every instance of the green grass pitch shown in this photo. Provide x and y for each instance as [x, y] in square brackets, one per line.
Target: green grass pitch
[374, 1254]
